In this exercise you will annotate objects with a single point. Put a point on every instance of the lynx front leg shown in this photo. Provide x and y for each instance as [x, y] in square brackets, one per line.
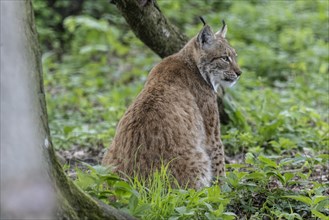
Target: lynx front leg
[217, 157]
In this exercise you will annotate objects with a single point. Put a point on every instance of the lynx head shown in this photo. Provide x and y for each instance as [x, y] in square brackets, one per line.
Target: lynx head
[215, 58]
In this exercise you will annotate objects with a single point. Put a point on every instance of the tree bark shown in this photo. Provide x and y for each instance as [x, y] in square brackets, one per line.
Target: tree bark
[33, 184]
[149, 24]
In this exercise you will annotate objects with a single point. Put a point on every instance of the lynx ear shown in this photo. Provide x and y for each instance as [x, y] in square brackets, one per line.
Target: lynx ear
[206, 37]
[222, 32]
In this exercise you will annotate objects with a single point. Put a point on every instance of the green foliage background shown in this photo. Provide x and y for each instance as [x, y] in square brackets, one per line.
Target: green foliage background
[94, 66]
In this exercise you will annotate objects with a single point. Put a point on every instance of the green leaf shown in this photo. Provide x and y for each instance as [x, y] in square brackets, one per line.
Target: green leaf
[229, 216]
[235, 165]
[278, 174]
[288, 176]
[68, 129]
[99, 169]
[140, 210]
[233, 179]
[219, 211]
[319, 215]
[84, 180]
[250, 159]
[122, 189]
[181, 210]
[286, 161]
[256, 176]
[324, 156]
[225, 188]
[298, 160]
[133, 202]
[93, 48]
[230, 213]
[267, 161]
[303, 199]
[317, 199]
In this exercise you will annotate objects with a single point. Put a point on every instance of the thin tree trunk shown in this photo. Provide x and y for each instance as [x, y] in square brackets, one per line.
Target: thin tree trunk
[33, 184]
[152, 27]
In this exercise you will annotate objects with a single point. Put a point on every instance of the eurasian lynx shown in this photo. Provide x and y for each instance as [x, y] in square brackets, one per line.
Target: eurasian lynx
[175, 118]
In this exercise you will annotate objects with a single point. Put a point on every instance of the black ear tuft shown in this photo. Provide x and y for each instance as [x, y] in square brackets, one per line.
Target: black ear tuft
[224, 24]
[203, 21]
[222, 31]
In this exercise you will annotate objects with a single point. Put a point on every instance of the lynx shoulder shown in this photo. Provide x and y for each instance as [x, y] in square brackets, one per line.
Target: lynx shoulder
[175, 118]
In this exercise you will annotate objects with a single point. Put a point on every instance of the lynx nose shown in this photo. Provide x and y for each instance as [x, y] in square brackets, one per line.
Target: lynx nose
[238, 72]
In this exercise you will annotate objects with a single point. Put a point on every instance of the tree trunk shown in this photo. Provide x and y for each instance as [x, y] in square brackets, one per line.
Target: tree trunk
[152, 27]
[33, 184]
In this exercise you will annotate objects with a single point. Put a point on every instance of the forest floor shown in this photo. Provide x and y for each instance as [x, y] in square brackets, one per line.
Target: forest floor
[277, 142]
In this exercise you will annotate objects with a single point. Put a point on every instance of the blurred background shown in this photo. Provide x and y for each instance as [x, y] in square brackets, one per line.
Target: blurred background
[94, 66]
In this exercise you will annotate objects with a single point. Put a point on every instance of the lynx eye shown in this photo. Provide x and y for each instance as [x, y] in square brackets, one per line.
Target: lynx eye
[225, 58]
[215, 58]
